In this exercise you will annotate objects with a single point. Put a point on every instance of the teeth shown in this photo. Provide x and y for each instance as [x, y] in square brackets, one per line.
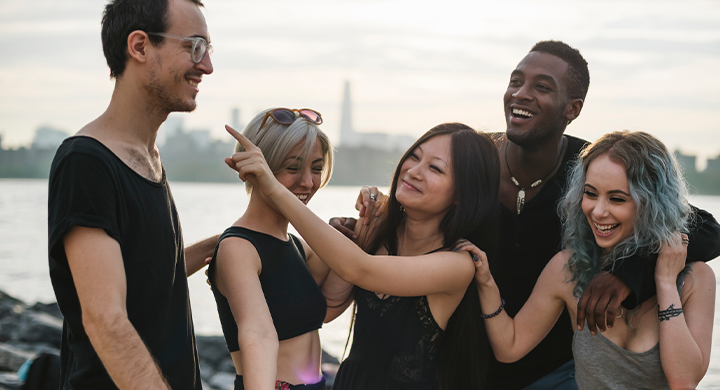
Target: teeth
[193, 83]
[517, 111]
[302, 197]
[606, 228]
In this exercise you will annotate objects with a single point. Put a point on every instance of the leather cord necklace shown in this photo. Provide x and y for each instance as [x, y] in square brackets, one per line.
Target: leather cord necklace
[521, 194]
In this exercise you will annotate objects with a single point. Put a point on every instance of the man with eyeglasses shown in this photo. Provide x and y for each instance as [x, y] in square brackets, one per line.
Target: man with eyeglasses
[116, 255]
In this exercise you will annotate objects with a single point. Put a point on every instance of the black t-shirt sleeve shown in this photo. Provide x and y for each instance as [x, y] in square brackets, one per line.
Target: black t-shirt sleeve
[81, 193]
[638, 272]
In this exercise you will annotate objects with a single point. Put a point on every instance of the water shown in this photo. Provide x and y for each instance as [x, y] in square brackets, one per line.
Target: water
[205, 209]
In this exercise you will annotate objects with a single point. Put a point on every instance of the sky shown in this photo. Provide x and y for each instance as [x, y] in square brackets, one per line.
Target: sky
[412, 64]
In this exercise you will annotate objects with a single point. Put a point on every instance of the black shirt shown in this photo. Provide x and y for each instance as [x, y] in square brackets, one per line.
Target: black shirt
[296, 304]
[91, 187]
[527, 243]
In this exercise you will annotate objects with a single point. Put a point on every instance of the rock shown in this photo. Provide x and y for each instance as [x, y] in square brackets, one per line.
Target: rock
[12, 358]
[50, 308]
[10, 305]
[36, 328]
[214, 354]
[222, 381]
[10, 381]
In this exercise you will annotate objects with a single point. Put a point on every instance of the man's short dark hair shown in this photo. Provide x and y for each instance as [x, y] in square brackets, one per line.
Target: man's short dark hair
[577, 72]
[121, 17]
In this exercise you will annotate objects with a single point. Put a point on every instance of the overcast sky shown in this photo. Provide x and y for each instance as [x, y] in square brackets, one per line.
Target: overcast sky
[654, 65]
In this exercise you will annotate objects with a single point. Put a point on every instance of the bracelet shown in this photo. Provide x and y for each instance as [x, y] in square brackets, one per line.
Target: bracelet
[502, 305]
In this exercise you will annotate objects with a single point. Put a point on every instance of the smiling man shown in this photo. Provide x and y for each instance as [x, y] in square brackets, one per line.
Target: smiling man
[116, 254]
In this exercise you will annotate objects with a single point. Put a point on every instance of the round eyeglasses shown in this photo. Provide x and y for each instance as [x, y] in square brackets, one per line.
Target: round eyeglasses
[200, 46]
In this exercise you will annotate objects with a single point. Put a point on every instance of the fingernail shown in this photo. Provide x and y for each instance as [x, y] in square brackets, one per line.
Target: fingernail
[476, 258]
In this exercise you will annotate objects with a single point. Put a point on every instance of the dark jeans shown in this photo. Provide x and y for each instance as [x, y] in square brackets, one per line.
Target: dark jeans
[563, 378]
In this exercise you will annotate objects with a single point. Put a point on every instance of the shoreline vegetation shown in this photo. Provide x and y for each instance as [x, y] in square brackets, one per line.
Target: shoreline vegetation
[27, 331]
[187, 160]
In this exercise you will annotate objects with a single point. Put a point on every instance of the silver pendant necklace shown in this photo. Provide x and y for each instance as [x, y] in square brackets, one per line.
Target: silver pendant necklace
[521, 194]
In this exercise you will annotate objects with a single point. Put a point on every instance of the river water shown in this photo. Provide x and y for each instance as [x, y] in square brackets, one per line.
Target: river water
[205, 209]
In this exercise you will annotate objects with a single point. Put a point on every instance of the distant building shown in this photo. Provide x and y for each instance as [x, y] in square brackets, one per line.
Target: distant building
[713, 164]
[349, 138]
[48, 138]
[235, 119]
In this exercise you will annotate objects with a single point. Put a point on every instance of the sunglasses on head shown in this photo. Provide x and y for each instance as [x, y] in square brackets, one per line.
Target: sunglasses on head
[287, 116]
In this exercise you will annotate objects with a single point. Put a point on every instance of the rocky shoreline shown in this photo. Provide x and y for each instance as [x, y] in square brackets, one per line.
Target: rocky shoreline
[26, 331]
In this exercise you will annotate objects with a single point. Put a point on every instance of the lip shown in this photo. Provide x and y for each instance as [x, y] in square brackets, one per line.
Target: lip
[193, 82]
[410, 186]
[606, 233]
[306, 196]
[517, 120]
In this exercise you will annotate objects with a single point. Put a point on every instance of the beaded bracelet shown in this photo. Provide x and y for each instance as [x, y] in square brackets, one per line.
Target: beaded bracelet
[502, 305]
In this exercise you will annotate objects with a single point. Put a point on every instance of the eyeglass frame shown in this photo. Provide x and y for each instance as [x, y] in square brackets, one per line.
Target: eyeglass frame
[271, 113]
[194, 40]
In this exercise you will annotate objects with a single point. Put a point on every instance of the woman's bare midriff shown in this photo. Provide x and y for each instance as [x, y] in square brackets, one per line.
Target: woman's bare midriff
[298, 359]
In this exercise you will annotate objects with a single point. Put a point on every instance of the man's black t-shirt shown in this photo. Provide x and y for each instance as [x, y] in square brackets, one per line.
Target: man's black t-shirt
[91, 187]
[527, 243]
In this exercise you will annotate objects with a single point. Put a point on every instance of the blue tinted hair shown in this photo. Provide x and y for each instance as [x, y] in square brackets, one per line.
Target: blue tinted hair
[660, 194]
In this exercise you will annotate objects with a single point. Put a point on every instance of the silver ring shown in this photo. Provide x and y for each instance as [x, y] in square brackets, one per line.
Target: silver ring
[373, 197]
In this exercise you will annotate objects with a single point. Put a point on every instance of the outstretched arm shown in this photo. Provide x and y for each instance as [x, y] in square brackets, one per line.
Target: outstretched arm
[197, 253]
[440, 272]
[96, 264]
[513, 338]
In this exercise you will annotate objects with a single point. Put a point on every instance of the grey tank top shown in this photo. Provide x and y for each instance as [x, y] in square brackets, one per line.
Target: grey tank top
[600, 364]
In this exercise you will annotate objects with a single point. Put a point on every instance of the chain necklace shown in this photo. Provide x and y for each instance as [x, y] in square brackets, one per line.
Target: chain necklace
[521, 194]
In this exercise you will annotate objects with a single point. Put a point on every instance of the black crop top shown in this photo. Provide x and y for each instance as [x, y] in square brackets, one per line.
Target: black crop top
[296, 304]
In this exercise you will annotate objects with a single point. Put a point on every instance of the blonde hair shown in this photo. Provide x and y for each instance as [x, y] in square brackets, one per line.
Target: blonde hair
[276, 140]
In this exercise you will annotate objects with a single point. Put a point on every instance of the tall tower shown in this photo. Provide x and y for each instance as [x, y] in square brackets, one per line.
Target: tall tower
[347, 134]
[235, 119]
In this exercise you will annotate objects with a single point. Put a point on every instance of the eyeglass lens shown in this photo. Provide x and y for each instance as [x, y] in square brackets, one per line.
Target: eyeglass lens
[199, 50]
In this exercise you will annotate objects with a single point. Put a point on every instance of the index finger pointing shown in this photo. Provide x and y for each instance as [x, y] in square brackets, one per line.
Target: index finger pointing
[240, 138]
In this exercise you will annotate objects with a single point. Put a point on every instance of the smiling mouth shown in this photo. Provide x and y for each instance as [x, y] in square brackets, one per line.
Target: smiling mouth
[605, 230]
[518, 113]
[303, 197]
[410, 186]
[192, 82]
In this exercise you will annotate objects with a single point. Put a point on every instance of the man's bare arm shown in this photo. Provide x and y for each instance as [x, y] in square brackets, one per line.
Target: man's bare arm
[196, 254]
[96, 264]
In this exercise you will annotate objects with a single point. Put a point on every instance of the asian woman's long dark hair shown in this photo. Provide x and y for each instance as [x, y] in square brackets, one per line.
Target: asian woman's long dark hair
[464, 352]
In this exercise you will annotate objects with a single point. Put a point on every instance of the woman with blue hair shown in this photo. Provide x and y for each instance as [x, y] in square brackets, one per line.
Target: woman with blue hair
[625, 195]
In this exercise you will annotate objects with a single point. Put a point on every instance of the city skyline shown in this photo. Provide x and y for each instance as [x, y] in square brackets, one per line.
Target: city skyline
[412, 65]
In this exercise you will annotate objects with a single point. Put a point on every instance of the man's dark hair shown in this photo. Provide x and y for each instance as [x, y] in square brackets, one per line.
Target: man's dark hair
[577, 72]
[121, 17]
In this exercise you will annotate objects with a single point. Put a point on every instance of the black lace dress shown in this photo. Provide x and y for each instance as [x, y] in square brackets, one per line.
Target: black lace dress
[395, 345]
